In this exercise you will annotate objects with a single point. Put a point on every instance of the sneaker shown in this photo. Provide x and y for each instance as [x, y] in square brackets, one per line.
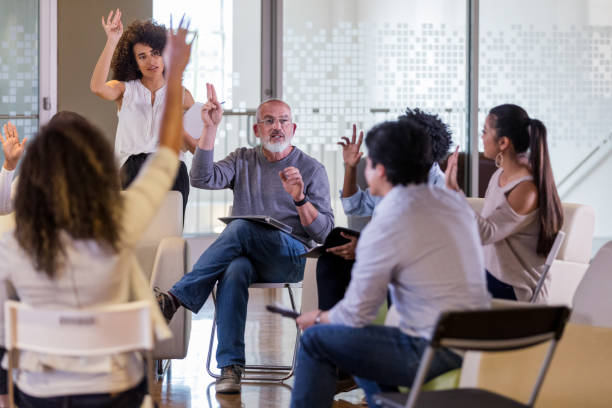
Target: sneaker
[166, 304]
[229, 382]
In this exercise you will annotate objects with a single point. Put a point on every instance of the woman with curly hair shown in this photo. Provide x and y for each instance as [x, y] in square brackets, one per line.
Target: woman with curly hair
[138, 88]
[72, 245]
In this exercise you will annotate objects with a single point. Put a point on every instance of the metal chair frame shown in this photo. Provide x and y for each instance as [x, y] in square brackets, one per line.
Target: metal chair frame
[486, 330]
[261, 372]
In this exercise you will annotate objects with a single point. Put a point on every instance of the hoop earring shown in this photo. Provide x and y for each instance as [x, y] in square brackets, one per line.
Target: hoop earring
[499, 160]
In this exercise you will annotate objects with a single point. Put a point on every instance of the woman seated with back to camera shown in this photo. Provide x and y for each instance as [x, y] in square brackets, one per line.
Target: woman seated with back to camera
[522, 211]
[72, 244]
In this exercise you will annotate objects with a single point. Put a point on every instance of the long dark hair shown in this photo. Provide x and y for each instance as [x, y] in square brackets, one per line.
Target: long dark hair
[526, 133]
[68, 184]
[124, 64]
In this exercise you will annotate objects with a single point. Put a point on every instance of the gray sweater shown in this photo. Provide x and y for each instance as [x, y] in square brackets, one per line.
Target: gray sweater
[258, 189]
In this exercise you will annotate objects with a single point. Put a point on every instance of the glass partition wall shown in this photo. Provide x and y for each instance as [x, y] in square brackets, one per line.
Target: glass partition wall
[554, 58]
[364, 61]
[19, 66]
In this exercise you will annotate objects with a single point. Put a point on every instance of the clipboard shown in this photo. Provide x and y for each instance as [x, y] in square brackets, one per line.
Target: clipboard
[263, 219]
[333, 239]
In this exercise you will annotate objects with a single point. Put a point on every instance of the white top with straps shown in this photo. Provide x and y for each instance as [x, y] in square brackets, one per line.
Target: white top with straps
[139, 121]
[510, 241]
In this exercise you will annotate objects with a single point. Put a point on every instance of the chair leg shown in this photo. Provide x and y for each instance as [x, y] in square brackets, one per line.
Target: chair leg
[212, 337]
[162, 367]
[281, 372]
[257, 372]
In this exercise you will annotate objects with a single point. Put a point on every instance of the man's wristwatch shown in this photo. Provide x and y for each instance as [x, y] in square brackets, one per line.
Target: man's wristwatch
[301, 202]
[318, 318]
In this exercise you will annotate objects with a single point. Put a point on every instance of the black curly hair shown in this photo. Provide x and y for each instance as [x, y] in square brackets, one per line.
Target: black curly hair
[124, 64]
[68, 184]
[403, 147]
[438, 131]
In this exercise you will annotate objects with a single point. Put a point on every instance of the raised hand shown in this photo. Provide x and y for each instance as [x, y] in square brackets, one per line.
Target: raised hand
[113, 26]
[212, 111]
[350, 149]
[177, 51]
[11, 146]
[346, 251]
[292, 182]
[451, 171]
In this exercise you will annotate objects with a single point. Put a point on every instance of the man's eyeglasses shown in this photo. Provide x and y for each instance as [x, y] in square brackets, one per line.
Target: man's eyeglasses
[269, 122]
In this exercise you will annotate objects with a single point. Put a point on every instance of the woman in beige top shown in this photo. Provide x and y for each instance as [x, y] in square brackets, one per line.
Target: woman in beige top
[522, 211]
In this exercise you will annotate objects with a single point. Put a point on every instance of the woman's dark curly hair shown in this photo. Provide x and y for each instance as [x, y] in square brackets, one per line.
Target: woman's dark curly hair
[403, 147]
[438, 131]
[68, 185]
[124, 64]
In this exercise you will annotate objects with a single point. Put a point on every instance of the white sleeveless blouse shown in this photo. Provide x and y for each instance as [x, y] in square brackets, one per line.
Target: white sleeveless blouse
[139, 121]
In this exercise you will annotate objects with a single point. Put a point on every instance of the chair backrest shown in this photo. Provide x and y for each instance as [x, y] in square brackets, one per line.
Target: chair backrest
[499, 329]
[494, 330]
[87, 332]
[592, 304]
[169, 219]
[579, 226]
[552, 255]
[80, 333]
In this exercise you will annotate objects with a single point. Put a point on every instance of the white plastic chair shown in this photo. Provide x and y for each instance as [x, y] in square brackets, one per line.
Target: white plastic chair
[80, 333]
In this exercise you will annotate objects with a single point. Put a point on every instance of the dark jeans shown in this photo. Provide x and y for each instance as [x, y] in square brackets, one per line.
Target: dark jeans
[333, 277]
[244, 253]
[132, 166]
[499, 289]
[131, 398]
[374, 355]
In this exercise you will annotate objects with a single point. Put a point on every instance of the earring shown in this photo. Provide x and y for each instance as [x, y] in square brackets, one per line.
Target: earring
[499, 160]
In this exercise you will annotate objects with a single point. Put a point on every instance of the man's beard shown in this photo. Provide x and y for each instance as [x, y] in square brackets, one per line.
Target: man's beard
[275, 147]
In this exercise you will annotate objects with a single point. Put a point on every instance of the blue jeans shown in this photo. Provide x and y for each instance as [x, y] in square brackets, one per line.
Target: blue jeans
[245, 252]
[378, 356]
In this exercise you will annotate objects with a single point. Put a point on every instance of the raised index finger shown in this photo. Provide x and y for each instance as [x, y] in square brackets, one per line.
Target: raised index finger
[214, 93]
[360, 140]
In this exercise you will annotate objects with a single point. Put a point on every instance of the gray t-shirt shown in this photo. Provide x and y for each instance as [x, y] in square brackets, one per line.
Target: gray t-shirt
[258, 189]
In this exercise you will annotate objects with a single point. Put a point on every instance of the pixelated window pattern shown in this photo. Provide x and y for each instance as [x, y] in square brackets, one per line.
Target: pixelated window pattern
[19, 66]
[366, 73]
[561, 74]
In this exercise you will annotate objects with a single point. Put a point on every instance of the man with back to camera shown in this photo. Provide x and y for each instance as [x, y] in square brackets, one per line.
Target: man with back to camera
[274, 179]
[423, 245]
[334, 267]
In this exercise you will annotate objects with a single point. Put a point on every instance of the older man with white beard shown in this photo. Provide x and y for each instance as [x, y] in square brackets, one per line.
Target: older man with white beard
[274, 179]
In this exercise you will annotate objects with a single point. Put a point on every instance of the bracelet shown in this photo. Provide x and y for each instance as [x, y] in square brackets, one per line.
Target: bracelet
[301, 202]
[318, 318]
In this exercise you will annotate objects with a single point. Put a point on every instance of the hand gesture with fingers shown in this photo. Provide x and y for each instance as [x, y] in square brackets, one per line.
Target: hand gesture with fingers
[292, 183]
[350, 149]
[177, 51]
[212, 112]
[11, 146]
[113, 26]
[451, 171]
[346, 251]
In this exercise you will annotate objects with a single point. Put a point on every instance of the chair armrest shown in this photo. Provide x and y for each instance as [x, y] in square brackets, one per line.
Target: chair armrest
[168, 268]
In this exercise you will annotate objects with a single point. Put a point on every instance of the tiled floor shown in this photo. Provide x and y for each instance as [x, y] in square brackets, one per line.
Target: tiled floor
[269, 338]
